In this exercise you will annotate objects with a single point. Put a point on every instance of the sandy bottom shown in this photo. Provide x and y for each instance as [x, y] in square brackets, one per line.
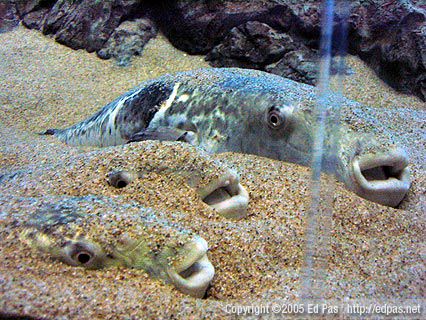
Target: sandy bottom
[374, 252]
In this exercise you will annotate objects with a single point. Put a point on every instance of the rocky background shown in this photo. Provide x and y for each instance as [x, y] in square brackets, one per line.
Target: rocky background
[278, 36]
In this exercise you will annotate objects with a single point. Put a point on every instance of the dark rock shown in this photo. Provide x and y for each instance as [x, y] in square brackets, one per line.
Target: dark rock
[302, 65]
[26, 6]
[299, 65]
[9, 17]
[81, 24]
[128, 40]
[86, 24]
[257, 45]
[253, 43]
[35, 19]
[389, 35]
[391, 38]
[198, 26]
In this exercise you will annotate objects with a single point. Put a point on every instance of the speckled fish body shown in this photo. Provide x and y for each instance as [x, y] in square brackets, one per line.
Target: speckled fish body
[97, 232]
[120, 170]
[252, 112]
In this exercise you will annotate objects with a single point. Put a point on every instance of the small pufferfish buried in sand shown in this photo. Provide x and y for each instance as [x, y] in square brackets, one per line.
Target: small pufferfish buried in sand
[249, 111]
[214, 183]
[71, 219]
[97, 232]
[115, 168]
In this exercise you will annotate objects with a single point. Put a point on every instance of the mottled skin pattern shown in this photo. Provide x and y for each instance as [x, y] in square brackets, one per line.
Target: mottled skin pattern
[136, 110]
[53, 223]
[64, 210]
[257, 113]
[97, 232]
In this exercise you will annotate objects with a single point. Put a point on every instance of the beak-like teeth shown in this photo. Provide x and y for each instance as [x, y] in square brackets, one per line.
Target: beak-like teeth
[234, 207]
[193, 274]
[229, 198]
[191, 252]
[383, 178]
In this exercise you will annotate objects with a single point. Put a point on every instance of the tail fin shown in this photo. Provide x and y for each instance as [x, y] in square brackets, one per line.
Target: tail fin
[49, 132]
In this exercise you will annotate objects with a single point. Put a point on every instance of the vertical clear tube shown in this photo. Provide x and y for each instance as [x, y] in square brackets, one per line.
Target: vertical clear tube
[326, 142]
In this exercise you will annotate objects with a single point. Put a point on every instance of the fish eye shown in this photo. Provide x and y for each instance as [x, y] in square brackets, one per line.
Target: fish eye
[80, 253]
[119, 179]
[121, 184]
[83, 254]
[83, 257]
[275, 119]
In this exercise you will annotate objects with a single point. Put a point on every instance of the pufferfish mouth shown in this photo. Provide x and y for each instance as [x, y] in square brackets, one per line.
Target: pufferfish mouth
[383, 178]
[192, 273]
[227, 196]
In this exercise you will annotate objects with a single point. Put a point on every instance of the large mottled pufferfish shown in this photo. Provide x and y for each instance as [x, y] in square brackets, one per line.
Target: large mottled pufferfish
[248, 111]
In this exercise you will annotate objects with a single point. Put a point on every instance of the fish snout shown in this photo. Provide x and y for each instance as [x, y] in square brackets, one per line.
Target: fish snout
[227, 196]
[382, 177]
[192, 272]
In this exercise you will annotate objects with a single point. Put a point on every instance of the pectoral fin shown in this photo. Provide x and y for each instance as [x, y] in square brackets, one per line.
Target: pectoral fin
[162, 134]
